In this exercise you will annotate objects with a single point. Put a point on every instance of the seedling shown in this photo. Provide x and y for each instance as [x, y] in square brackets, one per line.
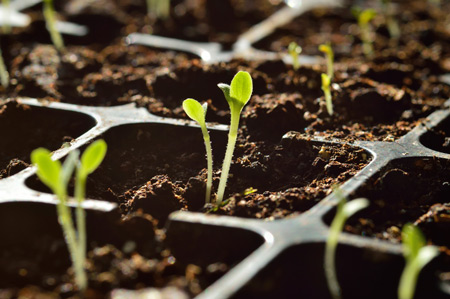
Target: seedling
[391, 23]
[159, 8]
[6, 26]
[56, 177]
[4, 75]
[237, 95]
[344, 211]
[327, 92]
[417, 254]
[197, 112]
[364, 17]
[50, 19]
[294, 50]
[326, 48]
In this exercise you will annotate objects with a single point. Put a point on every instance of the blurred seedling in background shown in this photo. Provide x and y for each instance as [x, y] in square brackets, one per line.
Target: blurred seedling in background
[345, 210]
[326, 82]
[294, 50]
[50, 20]
[158, 8]
[417, 254]
[391, 23]
[56, 176]
[197, 112]
[6, 27]
[364, 17]
[237, 95]
[4, 75]
[326, 48]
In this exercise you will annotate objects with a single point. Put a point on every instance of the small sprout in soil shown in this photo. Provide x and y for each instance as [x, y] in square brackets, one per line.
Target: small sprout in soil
[4, 75]
[391, 23]
[197, 112]
[326, 90]
[6, 27]
[57, 177]
[344, 211]
[326, 48]
[249, 191]
[158, 8]
[364, 17]
[417, 254]
[50, 19]
[294, 50]
[237, 95]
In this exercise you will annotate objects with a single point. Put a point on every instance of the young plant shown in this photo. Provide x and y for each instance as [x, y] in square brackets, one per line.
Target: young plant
[197, 112]
[417, 255]
[344, 211]
[50, 20]
[364, 17]
[391, 23]
[237, 95]
[294, 50]
[326, 82]
[6, 26]
[4, 75]
[57, 177]
[326, 48]
[159, 8]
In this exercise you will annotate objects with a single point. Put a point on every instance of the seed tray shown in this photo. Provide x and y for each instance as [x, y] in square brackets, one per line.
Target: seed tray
[284, 256]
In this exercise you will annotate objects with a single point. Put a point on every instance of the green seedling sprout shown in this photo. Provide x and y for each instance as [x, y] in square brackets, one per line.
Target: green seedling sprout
[50, 20]
[4, 75]
[6, 27]
[391, 23]
[159, 8]
[364, 17]
[326, 48]
[294, 50]
[326, 82]
[237, 95]
[344, 211]
[197, 112]
[417, 254]
[56, 176]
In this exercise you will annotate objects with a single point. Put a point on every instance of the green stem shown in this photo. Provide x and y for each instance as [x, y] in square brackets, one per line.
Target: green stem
[4, 76]
[232, 136]
[330, 69]
[367, 42]
[49, 14]
[330, 253]
[65, 219]
[207, 140]
[80, 190]
[328, 101]
[6, 25]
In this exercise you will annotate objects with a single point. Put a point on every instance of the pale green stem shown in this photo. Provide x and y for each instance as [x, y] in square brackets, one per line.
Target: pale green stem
[6, 26]
[366, 39]
[408, 281]
[209, 159]
[80, 190]
[330, 68]
[232, 136]
[330, 253]
[295, 61]
[65, 219]
[328, 101]
[4, 76]
[49, 14]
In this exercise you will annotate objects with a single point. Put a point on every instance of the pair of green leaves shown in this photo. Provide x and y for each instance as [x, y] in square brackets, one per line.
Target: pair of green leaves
[237, 95]
[56, 176]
